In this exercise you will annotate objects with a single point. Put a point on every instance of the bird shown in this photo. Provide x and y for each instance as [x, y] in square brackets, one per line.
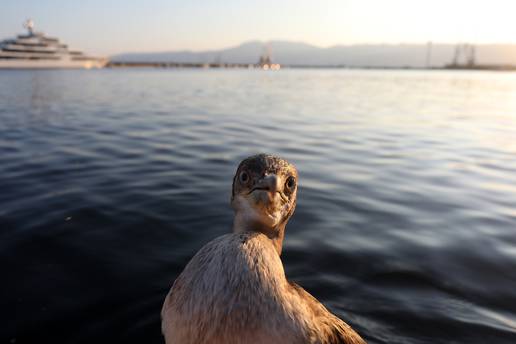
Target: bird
[234, 290]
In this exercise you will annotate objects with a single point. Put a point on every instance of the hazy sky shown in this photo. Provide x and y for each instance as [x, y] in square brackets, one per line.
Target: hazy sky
[109, 27]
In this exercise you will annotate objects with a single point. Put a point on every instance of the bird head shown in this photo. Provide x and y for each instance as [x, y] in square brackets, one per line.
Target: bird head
[264, 194]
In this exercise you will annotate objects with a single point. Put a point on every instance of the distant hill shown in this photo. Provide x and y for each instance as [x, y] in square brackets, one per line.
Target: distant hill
[366, 55]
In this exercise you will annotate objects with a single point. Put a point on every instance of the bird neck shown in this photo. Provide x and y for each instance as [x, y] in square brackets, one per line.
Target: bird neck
[276, 234]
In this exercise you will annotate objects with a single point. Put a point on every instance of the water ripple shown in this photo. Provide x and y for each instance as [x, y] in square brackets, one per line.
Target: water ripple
[111, 180]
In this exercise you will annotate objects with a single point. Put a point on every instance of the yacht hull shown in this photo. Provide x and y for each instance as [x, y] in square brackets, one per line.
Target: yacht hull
[51, 64]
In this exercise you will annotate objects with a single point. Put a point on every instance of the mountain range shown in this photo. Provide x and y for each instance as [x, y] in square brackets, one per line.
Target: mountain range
[302, 54]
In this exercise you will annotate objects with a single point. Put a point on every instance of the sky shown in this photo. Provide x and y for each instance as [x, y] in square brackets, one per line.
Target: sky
[109, 27]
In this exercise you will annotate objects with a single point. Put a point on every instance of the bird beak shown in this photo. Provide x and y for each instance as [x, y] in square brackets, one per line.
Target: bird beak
[270, 183]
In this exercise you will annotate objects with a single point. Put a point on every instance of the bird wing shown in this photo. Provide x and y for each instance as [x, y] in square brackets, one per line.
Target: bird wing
[330, 329]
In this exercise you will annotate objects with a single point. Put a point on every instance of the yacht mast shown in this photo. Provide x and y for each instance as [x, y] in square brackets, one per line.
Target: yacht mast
[29, 25]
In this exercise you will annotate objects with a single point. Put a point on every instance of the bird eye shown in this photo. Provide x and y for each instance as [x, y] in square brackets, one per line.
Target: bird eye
[244, 177]
[290, 183]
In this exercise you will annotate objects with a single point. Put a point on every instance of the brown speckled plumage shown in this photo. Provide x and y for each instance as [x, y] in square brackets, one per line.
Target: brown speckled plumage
[234, 290]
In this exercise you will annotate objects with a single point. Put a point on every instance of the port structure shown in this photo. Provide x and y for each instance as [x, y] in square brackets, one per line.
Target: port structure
[464, 56]
[265, 61]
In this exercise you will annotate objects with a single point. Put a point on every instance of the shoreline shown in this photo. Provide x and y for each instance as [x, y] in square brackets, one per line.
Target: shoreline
[167, 65]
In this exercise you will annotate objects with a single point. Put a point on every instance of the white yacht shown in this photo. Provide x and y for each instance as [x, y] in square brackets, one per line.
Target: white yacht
[35, 50]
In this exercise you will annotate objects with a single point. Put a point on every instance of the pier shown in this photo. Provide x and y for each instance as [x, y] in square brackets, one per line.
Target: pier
[117, 64]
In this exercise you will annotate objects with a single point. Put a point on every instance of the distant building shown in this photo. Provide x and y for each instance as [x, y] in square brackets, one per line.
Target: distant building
[464, 56]
[265, 61]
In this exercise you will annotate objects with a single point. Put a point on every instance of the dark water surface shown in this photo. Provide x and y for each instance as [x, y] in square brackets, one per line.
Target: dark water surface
[111, 180]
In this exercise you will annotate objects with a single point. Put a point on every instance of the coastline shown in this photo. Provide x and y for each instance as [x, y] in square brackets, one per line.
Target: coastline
[143, 64]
